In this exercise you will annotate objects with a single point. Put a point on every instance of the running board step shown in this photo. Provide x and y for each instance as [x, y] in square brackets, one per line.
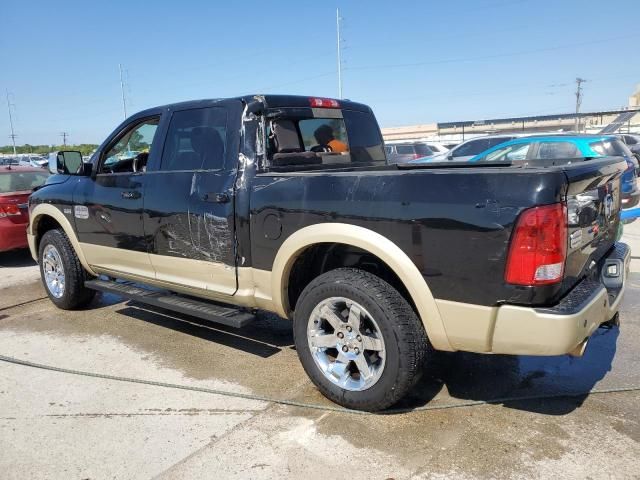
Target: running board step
[214, 312]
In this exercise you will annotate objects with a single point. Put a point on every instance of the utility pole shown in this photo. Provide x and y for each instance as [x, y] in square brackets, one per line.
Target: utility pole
[124, 101]
[13, 135]
[579, 82]
[339, 53]
[64, 136]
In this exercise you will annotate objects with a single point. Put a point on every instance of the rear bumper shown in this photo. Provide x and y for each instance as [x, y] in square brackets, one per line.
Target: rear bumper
[558, 330]
[12, 235]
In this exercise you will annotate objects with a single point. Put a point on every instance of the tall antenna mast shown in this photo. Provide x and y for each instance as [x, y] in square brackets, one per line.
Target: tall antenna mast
[124, 101]
[13, 135]
[579, 82]
[339, 53]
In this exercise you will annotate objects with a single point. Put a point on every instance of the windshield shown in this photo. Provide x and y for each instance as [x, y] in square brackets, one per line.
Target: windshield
[17, 181]
[474, 147]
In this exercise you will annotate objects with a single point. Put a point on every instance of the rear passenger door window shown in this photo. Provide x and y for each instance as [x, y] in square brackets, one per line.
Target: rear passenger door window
[405, 149]
[196, 140]
[557, 150]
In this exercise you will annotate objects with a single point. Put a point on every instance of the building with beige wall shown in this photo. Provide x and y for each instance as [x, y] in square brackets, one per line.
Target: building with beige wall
[591, 122]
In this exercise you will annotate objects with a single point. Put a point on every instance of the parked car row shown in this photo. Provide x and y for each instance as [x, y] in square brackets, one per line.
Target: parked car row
[25, 161]
[547, 149]
[403, 152]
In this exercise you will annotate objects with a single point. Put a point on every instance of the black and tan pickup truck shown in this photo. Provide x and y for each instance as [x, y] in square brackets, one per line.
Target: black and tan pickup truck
[218, 208]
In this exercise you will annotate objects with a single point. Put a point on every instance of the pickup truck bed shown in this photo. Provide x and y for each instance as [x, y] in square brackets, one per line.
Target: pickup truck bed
[231, 201]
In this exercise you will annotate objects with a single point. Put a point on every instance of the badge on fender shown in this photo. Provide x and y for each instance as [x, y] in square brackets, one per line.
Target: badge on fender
[81, 212]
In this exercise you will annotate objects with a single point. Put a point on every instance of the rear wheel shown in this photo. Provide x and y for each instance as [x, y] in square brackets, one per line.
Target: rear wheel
[62, 273]
[358, 339]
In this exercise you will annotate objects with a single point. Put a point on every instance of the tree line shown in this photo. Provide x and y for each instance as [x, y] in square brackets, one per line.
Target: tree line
[85, 148]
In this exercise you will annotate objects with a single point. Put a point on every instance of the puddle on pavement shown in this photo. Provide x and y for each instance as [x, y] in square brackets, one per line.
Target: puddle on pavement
[259, 357]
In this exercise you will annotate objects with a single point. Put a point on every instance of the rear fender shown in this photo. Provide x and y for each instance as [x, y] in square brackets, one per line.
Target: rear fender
[377, 245]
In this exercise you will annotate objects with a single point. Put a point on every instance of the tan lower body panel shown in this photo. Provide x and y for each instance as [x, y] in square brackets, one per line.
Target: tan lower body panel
[211, 280]
[118, 260]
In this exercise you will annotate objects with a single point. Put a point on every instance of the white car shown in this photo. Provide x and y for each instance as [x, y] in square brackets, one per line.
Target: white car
[437, 147]
[469, 149]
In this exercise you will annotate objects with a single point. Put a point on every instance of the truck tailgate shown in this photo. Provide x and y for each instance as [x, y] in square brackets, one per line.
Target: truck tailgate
[593, 207]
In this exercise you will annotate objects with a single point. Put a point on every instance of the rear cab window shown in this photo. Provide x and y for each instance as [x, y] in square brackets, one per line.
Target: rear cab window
[301, 137]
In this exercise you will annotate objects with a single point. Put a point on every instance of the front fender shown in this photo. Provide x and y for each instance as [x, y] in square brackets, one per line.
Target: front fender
[42, 211]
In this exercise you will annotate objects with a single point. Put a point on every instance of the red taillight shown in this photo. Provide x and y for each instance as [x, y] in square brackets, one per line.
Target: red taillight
[9, 210]
[538, 246]
[324, 102]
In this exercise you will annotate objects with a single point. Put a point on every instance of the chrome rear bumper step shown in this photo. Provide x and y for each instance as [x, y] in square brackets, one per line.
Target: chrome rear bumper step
[214, 312]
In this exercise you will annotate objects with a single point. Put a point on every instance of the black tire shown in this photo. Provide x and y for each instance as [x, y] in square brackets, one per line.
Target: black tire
[405, 341]
[75, 294]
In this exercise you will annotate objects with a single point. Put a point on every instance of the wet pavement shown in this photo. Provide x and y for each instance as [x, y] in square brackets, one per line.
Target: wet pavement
[56, 425]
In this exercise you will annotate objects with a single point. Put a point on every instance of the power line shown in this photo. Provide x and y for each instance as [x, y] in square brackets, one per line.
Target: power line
[488, 57]
[64, 136]
[579, 82]
[13, 135]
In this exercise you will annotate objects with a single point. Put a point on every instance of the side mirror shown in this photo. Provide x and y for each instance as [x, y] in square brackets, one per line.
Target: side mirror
[68, 163]
[449, 157]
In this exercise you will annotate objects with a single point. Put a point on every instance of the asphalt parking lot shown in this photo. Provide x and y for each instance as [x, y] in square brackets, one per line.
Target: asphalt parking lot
[59, 425]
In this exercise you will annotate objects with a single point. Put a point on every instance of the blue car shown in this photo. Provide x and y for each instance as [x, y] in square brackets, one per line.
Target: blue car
[546, 149]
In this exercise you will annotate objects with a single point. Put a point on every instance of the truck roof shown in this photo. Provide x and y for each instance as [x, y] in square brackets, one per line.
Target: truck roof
[270, 101]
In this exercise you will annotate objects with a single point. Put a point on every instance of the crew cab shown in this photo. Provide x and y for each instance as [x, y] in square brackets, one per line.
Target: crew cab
[217, 208]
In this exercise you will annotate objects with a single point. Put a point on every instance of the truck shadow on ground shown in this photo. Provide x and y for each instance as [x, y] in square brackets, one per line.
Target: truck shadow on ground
[264, 337]
[499, 378]
[16, 259]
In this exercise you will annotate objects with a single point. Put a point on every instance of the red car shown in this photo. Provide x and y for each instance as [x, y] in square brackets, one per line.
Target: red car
[16, 184]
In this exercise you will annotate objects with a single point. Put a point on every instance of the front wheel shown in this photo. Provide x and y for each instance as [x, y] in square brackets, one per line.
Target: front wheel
[62, 273]
[358, 339]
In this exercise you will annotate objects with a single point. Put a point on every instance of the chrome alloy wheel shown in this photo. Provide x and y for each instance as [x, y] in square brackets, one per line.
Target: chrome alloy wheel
[346, 343]
[53, 271]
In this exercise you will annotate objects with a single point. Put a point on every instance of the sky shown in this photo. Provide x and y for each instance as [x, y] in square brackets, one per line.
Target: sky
[412, 62]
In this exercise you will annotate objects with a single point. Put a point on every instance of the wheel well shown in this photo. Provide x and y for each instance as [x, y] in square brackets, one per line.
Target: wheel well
[43, 225]
[323, 257]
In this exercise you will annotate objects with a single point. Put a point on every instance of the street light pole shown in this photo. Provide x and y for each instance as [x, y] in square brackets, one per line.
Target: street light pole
[124, 102]
[339, 53]
[579, 82]
[13, 135]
